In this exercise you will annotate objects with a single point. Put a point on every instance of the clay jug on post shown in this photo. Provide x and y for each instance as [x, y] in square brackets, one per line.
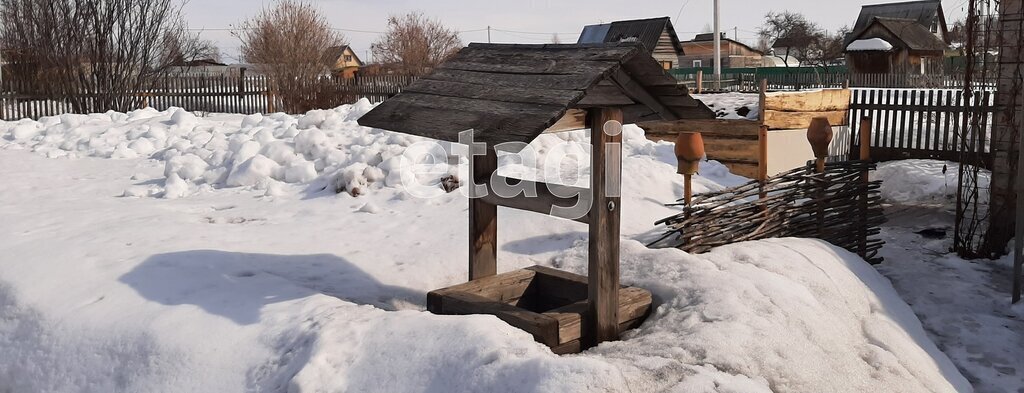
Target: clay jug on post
[689, 150]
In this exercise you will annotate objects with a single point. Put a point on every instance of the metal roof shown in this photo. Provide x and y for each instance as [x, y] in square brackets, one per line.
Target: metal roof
[644, 31]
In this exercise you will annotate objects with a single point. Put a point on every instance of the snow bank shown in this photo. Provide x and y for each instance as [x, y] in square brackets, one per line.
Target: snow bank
[733, 106]
[923, 181]
[323, 146]
[220, 291]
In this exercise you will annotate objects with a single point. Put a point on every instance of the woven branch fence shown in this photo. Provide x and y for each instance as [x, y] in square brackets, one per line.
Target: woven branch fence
[840, 206]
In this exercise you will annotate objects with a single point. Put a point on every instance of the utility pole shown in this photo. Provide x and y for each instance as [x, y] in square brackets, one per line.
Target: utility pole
[736, 33]
[488, 34]
[718, 50]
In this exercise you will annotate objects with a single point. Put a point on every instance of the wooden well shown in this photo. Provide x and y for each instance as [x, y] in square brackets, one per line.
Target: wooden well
[513, 93]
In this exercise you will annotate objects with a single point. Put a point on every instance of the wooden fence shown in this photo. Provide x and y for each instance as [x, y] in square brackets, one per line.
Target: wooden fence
[923, 123]
[748, 82]
[222, 94]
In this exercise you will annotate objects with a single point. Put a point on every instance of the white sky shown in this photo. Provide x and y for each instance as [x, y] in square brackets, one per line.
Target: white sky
[531, 21]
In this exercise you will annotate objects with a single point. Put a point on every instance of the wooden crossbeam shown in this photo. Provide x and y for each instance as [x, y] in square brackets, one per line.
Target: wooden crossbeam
[636, 91]
[544, 202]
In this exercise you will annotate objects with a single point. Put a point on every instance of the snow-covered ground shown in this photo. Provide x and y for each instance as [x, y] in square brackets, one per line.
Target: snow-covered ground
[735, 106]
[963, 305]
[126, 267]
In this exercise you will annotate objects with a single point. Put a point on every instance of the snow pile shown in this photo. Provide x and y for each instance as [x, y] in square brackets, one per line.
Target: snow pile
[222, 291]
[869, 44]
[263, 152]
[923, 181]
[734, 106]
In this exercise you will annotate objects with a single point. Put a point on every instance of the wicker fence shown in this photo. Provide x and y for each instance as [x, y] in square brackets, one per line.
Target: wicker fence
[223, 94]
[839, 205]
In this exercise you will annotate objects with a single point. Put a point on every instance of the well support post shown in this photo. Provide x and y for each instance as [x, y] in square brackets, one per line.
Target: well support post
[483, 219]
[604, 218]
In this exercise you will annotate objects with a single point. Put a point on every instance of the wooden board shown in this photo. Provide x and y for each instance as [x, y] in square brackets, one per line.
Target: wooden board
[573, 119]
[776, 120]
[810, 101]
[722, 127]
[731, 149]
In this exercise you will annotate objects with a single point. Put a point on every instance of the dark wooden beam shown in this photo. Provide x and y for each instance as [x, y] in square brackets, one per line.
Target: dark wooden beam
[483, 220]
[637, 92]
[542, 203]
[604, 217]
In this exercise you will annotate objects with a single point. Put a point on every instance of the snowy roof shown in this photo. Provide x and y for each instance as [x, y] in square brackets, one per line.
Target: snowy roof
[513, 93]
[869, 44]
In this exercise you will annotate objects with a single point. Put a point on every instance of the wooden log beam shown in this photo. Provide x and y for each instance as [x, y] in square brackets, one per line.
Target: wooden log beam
[638, 93]
[483, 219]
[604, 219]
[573, 119]
[544, 202]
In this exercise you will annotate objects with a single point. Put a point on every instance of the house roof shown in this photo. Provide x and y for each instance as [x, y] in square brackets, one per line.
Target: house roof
[644, 31]
[915, 36]
[512, 93]
[332, 54]
[924, 12]
[707, 37]
[199, 63]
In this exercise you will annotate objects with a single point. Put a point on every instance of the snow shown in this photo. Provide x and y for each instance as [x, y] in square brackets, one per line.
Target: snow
[869, 44]
[963, 305]
[254, 280]
[734, 106]
[923, 181]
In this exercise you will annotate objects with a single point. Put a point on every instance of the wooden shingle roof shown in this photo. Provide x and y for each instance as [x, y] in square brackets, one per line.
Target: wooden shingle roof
[513, 93]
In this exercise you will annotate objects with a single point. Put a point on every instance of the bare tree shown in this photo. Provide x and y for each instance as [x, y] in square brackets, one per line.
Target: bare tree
[793, 29]
[97, 55]
[826, 48]
[287, 42]
[555, 39]
[416, 43]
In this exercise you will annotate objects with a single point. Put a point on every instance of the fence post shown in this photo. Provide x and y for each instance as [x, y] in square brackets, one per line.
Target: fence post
[865, 157]
[700, 81]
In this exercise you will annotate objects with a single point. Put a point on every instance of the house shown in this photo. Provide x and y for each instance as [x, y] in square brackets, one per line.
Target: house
[656, 35]
[787, 51]
[342, 61]
[204, 67]
[909, 37]
[700, 52]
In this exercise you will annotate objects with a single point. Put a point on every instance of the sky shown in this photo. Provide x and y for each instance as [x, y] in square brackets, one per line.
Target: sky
[530, 21]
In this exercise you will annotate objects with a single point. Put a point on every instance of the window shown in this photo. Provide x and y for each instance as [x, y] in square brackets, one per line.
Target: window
[666, 65]
[348, 58]
[697, 64]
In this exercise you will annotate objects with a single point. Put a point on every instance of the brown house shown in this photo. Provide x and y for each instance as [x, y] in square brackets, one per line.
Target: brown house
[342, 61]
[700, 52]
[907, 37]
[657, 36]
[895, 46]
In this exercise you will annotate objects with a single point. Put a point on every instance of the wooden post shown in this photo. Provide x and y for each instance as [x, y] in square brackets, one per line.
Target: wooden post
[762, 157]
[483, 220]
[604, 218]
[700, 81]
[865, 155]
[687, 189]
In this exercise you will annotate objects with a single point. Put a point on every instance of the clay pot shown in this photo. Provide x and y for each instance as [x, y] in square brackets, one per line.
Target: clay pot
[689, 151]
[819, 134]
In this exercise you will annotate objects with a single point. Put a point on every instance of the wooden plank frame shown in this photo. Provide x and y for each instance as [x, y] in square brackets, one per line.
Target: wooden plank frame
[578, 312]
